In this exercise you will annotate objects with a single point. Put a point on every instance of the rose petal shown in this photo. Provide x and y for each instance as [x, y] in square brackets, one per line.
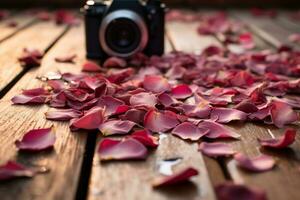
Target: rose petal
[282, 114]
[181, 91]
[63, 114]
[134, 115]
[11, 170]
[90, 66]
[159, 122]
[26, 99]
[217, 130]
[231, 191]
[66, 59]
[225, 115]
[90, 120]
[156, 84]
[282, 142]
[144, 136]
[127, 149]
[110, 104]
[114, 62]
[258, 164]
[114, 127]
[216, 149]
[143, 99]
[179, 177]
[188, 131]
[166, 99]
[37, 140]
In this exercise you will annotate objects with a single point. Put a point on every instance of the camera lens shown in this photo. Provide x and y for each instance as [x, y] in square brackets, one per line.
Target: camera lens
[123, 35]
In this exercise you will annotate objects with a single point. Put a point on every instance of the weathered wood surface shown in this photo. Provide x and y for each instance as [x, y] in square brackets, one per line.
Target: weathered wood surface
[40, 35]
[65, 161]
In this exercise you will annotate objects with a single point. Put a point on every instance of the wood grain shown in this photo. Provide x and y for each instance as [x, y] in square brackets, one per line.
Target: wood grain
[21, 19]
[38, 36]
[65, 161]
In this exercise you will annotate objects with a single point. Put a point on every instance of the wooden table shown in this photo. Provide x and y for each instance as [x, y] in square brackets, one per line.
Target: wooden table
[75, 171]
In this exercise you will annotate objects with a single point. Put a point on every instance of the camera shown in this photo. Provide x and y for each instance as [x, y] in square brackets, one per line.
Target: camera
[123, 28]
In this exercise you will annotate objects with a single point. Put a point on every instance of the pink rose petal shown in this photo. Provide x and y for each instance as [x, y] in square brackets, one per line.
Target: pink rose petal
[11, 170]
[144, 136]
[282, 114]
[258, 164]
[90, 66]
[37, 140]
[156, 84]
[114, 127]
[231, 191]
[127, 149]
[282, 142]
[115, 62]
[143, 99]
[217, 130]
[216, 149]
[63, 114]
[91, 120]
[181, 91]
[188, 131]
[159, 121]
[31, 96]
[30, 57]
[179, 177]
[225, 115]
[66, 59]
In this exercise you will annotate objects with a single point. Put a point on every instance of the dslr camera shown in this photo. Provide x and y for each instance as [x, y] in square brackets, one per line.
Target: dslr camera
[123, 28]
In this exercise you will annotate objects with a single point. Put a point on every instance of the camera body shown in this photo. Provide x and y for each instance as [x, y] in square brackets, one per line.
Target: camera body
[123, 28]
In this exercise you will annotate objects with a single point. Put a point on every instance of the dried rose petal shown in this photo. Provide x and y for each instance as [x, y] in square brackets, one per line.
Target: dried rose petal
[11, 170]
[295, 38]
[134, 115]
[114, 62]
[127, 149]
[282, 142]
[37, 140]
[231, 191]
[258, 164]
[143, 99]
[114, 127]
[188, 131]
[66, 59]
[156, 84]
[181, 91]
[144, 136]
[179, 177]
[90, 120]
[30, 57]
[217, 130]
[159, 121]
[216, 149]
[282, 114]
[110, 104]
[63, 114]
[225, 115]
[90, 66]
[28, 99]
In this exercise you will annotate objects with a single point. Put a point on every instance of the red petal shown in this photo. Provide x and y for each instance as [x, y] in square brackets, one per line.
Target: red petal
[188, 131]
[134, 115]
[12, 170]
[144, 136]
[66, 59]
[216, 149]
[110, 104]
[295, 38]
[90, 120]
[114, 62]
[282, 114]
[231, 191]
[159, 122]
[258, 164]
[37, 140]
[282, 142]
[127, 149]
[31, 57]
[156, 84]
[114, 127]
[143, 99]
[217, 130]
[90, 66]
[63, 114]
[166, 100]
[25, 99]
[181, 91]
[179, 177]
[225, 115]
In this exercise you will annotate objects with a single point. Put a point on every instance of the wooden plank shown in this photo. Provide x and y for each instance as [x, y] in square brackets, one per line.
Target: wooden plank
[65, 161]
[40, 36]
[22, 20]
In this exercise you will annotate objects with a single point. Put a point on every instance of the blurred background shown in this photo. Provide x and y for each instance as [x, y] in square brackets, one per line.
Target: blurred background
[294, 4]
